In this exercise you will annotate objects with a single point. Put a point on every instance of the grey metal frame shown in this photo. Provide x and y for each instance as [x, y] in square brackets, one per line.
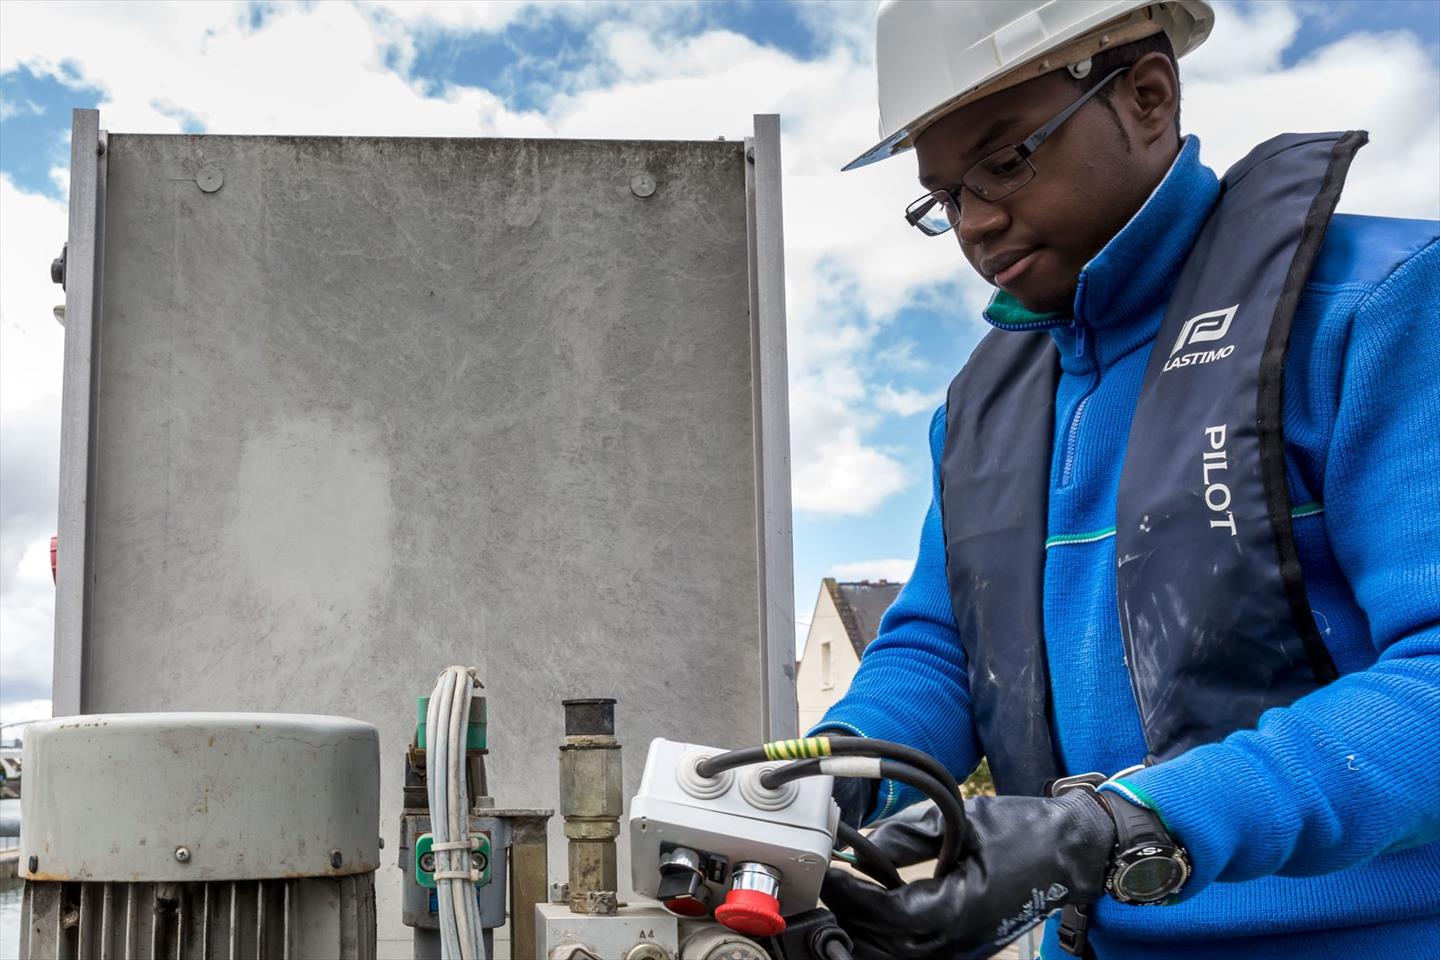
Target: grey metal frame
[772, 436]
[85, 259]
[772, 426]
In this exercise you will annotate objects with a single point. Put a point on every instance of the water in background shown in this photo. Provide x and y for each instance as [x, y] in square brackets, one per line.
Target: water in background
[9, 898]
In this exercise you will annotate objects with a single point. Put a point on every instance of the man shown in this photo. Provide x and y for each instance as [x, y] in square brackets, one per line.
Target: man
[1183, 545]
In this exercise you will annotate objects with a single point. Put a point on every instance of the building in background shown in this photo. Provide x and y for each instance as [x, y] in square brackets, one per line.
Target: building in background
[846, 619]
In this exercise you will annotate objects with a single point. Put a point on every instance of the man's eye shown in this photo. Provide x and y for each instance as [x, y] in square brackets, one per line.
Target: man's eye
[1004, 166]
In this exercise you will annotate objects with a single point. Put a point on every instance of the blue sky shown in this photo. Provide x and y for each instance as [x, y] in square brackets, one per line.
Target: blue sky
[880, 318]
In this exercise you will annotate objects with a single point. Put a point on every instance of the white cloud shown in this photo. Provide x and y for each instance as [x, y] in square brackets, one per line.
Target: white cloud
[907, 402]
[894, 569]
[26, 625]
[14, 108]
[487, 15]
[14, 715]
[31, 351]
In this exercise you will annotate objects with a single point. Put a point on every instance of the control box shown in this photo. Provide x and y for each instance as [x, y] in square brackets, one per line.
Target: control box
[728, 846]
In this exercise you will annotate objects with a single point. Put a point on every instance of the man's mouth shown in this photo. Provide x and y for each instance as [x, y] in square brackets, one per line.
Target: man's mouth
[1004, 268]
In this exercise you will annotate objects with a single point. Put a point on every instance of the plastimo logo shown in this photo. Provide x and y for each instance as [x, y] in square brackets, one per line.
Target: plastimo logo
[1202, 328]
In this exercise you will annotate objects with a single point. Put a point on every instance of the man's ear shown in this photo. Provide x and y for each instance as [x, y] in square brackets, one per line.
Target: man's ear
[1152, 95]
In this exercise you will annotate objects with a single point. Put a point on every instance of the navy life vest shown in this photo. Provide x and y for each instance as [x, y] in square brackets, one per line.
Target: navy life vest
[1210, 596]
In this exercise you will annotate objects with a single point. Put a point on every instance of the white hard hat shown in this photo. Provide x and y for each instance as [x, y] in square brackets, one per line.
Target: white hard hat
[934, 56]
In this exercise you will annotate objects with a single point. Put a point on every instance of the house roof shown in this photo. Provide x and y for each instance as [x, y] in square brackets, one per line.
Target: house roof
[861, 605]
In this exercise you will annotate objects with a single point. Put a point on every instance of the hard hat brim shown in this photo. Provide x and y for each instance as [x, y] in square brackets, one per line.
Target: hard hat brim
[1138, 24]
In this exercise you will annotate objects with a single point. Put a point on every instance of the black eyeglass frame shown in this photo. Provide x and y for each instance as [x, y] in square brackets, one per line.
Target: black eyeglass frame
[920, 207]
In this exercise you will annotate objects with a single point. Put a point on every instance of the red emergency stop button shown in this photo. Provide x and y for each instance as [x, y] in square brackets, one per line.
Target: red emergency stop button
[752, 906]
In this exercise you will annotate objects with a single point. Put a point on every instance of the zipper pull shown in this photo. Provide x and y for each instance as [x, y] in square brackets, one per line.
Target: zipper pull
[1079, 337]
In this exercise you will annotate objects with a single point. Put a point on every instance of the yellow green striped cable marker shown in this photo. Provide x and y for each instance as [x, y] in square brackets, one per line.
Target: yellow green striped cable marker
[808, 748]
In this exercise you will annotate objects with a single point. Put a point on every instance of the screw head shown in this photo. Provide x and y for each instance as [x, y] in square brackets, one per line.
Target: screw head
[34, 864]
[427, 862]
[182, 854]
[210, 178]
[642, 185]
[478, 861]
[336, 859]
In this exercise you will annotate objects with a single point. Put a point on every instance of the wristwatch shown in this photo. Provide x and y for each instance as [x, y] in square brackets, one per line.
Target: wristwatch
[1148, 867]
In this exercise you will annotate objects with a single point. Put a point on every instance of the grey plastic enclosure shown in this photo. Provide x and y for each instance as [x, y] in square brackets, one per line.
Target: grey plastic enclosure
[340, 412]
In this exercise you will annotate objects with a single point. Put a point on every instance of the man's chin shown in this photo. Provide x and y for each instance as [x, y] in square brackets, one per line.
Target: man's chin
[1040, 298]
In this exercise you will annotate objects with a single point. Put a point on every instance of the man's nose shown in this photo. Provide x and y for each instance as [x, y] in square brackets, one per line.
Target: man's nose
[979, 219]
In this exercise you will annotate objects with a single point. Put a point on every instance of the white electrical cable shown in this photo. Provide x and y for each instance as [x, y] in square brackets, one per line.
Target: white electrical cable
[460, 891]
[461, 932]
[437, 740]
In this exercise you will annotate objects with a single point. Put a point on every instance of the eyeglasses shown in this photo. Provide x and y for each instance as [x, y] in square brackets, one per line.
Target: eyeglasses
[995, 177]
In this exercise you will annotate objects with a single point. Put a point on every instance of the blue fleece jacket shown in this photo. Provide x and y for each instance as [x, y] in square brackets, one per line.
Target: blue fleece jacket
[1317, 834]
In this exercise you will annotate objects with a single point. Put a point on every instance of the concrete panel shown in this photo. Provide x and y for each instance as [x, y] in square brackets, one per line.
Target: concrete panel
[372, 407]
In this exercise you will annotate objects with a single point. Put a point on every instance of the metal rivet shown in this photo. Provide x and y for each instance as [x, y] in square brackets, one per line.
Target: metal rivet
[210, 178]
[34, 864]
[182, 854]
[642, 185]
[335, 859]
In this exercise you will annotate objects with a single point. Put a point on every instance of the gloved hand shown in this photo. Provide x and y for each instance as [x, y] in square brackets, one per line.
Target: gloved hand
[855, 797]
[1026, 857]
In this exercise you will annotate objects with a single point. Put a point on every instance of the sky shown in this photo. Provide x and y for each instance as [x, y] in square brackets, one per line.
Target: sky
[879, 317]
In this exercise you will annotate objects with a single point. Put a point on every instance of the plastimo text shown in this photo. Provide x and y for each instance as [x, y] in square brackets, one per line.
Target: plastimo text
[1199, 356]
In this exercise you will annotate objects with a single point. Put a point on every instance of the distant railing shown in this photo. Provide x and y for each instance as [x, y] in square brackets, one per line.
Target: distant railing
[9, 831]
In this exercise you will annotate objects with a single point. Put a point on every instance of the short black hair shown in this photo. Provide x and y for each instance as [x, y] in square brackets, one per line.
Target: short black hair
[1126, 55]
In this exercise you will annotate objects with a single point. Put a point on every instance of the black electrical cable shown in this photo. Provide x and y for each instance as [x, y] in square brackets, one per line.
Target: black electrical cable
[951, 809]
[870, 860]
[836, 950]
[837, 746]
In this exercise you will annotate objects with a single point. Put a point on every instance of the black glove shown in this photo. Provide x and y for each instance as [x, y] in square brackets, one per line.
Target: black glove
[855, 796]
[1025, 858]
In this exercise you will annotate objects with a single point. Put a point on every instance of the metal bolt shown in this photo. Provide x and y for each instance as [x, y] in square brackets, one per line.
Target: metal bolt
[57, 266]
[335, 859]
[182, 854]
[648, 951]
[642, 185]
[478, 861]
[601, 903]
[210, 178]
[427, 862]
[34, 864]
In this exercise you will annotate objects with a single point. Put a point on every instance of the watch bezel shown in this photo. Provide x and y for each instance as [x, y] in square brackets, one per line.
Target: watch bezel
[1133, 857]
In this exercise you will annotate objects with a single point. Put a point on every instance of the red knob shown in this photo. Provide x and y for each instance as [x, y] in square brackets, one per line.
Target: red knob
[751, 912]
[687, 906]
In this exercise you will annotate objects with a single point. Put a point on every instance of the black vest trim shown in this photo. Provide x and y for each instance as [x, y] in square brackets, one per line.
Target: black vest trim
[1271, 402]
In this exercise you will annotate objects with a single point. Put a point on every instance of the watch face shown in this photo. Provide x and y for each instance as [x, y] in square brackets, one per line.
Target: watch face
[1150, 878]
